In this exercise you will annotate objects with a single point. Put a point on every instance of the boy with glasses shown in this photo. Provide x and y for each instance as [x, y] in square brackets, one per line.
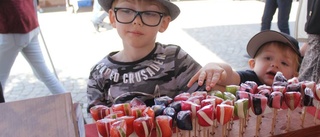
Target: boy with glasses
[144, 68]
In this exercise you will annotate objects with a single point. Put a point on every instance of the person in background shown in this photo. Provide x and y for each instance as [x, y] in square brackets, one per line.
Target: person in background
[19, 29]
[144, 68]
[284, 8]
[38, 7]
[270, 52]
[1, 94]
[300, 34]
[310, 66]
[98, 16]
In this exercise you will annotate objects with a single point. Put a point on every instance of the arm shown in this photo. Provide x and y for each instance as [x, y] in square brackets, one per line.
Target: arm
[215, 74]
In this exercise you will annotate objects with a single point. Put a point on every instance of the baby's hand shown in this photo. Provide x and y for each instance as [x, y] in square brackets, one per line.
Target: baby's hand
[211, 73]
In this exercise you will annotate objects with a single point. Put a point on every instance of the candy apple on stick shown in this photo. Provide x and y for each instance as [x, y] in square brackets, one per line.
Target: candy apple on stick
[136, 111]
[241, 107]
[184, 122]
[259, 104]
[136, 102]
[265, 92]
[169, 111]
[229, 96]
[115, 114]
[224, 114]
[253, 87]
[229, 99]
[275, 102]
[218, 101]
[279, 80]
[247, 95]
[200, 93]
[124, 107]
[196, 99]
[129, 123]
[232, 89]
[193, 107]
[182, 96]
[208, 101]
[143, 126]
[281, 89]
[164, 126]
[293, 80]
[262, 87]
[230, 123]
[307, 100]
[99, 112]
[205, 120]
[118, 129]
[292, 100]
[216, 93]
[149, 112]
[158, 109]
[103, 126]
[163, 100]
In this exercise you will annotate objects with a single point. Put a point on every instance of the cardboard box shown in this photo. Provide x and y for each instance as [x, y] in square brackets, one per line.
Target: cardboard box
[49, 116]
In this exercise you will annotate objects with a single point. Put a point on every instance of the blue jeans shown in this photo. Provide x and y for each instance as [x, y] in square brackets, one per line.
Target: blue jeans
[284, 8]
[28, 44]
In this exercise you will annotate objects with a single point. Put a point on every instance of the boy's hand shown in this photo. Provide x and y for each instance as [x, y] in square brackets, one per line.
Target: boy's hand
[211, 73]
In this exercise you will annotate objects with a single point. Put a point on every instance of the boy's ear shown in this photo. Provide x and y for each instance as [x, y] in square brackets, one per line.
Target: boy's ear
[251, 63]
[164, 23]
[112, 18]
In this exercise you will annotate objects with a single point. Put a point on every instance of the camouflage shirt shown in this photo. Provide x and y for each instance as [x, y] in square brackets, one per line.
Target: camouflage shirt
[165, 71]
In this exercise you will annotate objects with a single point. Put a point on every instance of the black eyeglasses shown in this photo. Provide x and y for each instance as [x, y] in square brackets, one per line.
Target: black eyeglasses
[149, 18]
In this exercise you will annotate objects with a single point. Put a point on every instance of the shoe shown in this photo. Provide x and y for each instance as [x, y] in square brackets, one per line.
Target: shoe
[96, 26]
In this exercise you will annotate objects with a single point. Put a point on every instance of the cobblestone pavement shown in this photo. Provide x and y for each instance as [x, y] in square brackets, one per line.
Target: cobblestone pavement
[210, 30]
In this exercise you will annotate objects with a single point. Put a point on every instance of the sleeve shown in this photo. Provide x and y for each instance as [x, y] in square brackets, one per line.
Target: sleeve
[248, 75]
[97, 88]
[185, 68]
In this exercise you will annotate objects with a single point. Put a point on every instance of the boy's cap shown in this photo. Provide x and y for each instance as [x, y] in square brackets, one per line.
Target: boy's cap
[268, 36]
[173, 9]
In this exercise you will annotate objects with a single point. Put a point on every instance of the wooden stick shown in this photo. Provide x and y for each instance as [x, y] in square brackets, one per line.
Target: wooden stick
[240, 126]
[204, 131]
[257, 125]
[194, 123]
[216, 123]
[275, 111]
[288, 119]
[303, 116]
[246, 120]
[316, 114]
[224, 128]
[177, 131]
[232, 122]
[212, 132]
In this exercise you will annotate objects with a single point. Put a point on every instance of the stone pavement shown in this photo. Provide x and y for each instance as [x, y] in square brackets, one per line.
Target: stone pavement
[210, 30]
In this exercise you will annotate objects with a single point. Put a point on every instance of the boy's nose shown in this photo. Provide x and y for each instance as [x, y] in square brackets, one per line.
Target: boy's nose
[138, 20]
[274, 65]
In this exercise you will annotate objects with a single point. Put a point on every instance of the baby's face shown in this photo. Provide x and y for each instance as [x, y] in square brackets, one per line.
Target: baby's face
[272, 59]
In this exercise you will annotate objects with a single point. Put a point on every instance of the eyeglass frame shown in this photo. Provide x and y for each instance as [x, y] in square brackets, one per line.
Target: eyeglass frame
[116, 9]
